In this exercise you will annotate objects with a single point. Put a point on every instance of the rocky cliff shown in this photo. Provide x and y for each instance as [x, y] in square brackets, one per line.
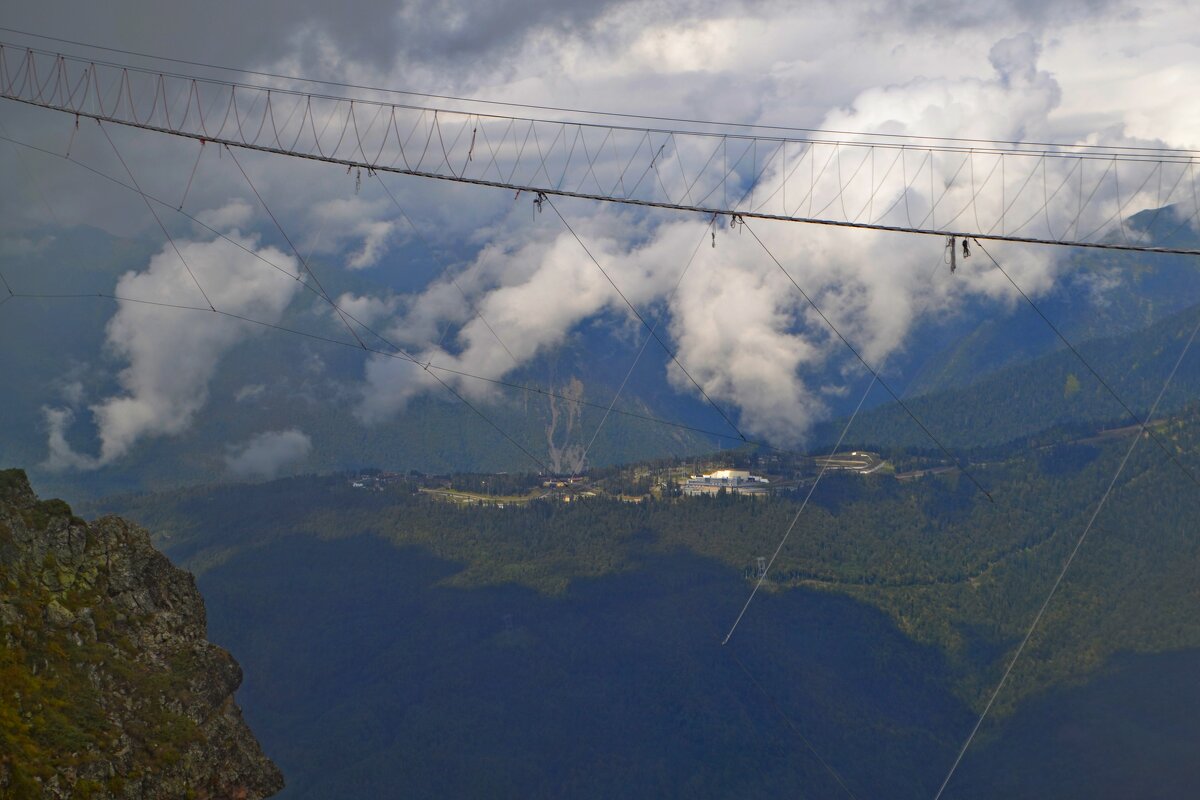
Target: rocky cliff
[108, 687]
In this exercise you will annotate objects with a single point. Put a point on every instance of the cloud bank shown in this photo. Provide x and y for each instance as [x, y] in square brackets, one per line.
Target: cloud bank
[742, 330]
[266, 454]
[171, 354]
[1094, 71]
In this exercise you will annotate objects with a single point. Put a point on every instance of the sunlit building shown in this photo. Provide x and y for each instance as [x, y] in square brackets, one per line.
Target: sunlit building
[736, 481]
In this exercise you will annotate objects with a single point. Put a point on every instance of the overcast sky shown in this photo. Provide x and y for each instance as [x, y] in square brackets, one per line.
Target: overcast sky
[1064, 71]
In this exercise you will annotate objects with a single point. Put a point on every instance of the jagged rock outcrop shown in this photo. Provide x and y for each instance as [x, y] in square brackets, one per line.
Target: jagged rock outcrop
[108, 687]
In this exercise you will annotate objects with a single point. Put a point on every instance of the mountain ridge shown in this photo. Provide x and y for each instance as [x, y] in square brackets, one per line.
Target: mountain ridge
[110, 687]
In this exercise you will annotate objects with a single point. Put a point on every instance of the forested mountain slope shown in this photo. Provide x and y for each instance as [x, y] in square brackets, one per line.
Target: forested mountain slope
[927, 581]
[1056, 390]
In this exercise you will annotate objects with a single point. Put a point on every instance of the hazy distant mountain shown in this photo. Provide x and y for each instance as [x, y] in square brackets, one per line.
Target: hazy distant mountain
[1099, 294]
[1055, 390]
[278, 385]
[275, 381]
[397, 643]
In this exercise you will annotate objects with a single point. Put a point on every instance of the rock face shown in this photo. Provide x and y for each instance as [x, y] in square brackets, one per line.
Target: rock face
[108, 687]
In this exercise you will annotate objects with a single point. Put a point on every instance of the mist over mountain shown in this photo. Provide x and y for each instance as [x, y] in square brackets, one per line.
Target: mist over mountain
[599, 399]
[502, 623]
[283, 403]
[276, 383]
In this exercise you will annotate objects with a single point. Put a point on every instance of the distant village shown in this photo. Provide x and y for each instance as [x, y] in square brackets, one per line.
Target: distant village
[754, 475]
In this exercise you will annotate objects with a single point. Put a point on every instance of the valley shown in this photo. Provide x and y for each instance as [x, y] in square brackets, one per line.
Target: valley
[947, 574]
[599, 400]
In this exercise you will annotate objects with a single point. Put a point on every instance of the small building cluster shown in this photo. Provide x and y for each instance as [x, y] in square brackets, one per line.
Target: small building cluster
[735, 481]
[376, 481]
[562, 482]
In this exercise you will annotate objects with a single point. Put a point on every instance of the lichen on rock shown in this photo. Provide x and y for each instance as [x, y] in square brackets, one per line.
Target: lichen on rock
[108, 686]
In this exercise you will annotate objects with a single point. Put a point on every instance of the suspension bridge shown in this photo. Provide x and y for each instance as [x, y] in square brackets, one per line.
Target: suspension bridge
[1076, 195]
[1106, 196]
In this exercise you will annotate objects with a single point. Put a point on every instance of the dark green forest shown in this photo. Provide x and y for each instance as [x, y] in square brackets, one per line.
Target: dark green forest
[472, 633]
[952, 577]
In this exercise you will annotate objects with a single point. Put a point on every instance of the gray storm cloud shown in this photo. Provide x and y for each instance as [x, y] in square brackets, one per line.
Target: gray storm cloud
[266, 454]
[170, 355]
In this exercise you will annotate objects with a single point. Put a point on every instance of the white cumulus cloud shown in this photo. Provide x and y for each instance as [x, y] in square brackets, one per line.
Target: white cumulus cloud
[171, 355]
[743, 331]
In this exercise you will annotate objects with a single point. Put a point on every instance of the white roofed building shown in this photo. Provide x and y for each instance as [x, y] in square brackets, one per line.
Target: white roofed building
[735, 481]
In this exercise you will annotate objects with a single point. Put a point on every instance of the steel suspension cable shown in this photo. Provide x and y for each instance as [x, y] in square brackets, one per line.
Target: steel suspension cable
[1066, 567]
[1107, 386]
[642, 349]
[653, 331]
[211, 308]
[396, 353]
[26, 87]
[887, 387]
[303, 263]
[154, 214]
[811, 489]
